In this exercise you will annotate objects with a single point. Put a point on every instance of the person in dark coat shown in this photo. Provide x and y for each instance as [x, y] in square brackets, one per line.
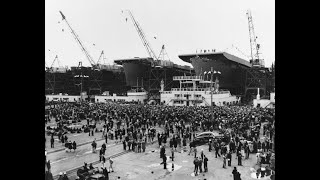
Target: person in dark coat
[74, 145]
[52, 142]
[105, 173]
[100, 154]
[232, 146]
[184, 142]
[259, 145]
[164, 139]
[85, 167]
[175, 143]
[164, 158]
[48, 166]
[162, 151]
[239, 158]
[229, 158]
[267, 145]
[205, 163]
[195, 162]
[238, 176]
[235, 173]
[200, 164]
[210, 145]
[134, 146]
[191, 147]
[139, 146]
[263, 146]
[255, 147]
[94, 146]
[202, 154]
[216, 148]
[106, 137]
[129, 145]
[143, 145]
[124, 145]
[104, 147]
[172, 154]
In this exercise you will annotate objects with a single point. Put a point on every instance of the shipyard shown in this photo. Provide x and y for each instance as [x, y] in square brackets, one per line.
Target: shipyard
[131, 94]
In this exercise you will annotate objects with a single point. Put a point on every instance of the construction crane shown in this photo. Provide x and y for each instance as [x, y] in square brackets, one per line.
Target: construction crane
[49, 68]
[84, 50]
[101, 56]
[143, 37]
[253, 43]
[163, 53]
[46, 65]
[56, 58]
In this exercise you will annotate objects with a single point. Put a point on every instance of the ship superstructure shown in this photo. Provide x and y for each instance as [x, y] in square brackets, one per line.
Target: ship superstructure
[197, 91]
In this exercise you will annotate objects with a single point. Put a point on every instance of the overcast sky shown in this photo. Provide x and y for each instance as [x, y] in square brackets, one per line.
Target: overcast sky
[184, 26]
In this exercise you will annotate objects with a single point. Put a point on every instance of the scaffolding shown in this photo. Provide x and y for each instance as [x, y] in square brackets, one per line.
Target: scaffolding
[258, 77]
[49, 82]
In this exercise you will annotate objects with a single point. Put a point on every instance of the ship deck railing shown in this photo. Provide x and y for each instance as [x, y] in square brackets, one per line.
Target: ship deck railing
[190, 89]
[187, 77]
[190, 99]
[206, 90]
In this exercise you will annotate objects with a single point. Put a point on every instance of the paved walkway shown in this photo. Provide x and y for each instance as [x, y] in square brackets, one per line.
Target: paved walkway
[146, 166]
[64, 161]
[79, 138]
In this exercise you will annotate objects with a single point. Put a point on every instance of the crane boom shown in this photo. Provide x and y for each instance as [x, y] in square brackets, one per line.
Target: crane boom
[56, 58]
[101, 56]
[163, 53]
[90, 59]
[143, 37]
[253, 43]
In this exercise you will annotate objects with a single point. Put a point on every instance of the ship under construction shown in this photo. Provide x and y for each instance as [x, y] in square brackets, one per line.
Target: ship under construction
[240, 76]
[93, 80]
[147, 73]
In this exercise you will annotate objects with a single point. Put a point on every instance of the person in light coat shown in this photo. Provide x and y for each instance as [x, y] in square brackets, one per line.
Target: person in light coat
[110, 165]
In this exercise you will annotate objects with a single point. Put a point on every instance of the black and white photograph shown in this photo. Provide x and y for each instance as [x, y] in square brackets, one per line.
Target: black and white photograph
[159, 89]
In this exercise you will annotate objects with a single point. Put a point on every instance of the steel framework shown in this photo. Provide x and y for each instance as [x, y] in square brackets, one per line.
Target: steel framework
[258, 77]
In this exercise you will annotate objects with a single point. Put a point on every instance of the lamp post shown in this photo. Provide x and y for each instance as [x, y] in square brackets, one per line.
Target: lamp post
[81, 85]
[216, 82]
[211, 73]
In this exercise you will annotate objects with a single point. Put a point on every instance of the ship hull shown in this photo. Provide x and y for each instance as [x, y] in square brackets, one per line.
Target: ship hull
[232, 75]
[135, 72]
[140, 73]
[93, 82]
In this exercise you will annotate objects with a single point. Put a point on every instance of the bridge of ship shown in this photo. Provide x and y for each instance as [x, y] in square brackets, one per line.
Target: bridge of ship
[198, 93]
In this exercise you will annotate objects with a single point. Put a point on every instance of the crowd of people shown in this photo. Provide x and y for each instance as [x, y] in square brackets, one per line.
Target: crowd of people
[134, 125]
